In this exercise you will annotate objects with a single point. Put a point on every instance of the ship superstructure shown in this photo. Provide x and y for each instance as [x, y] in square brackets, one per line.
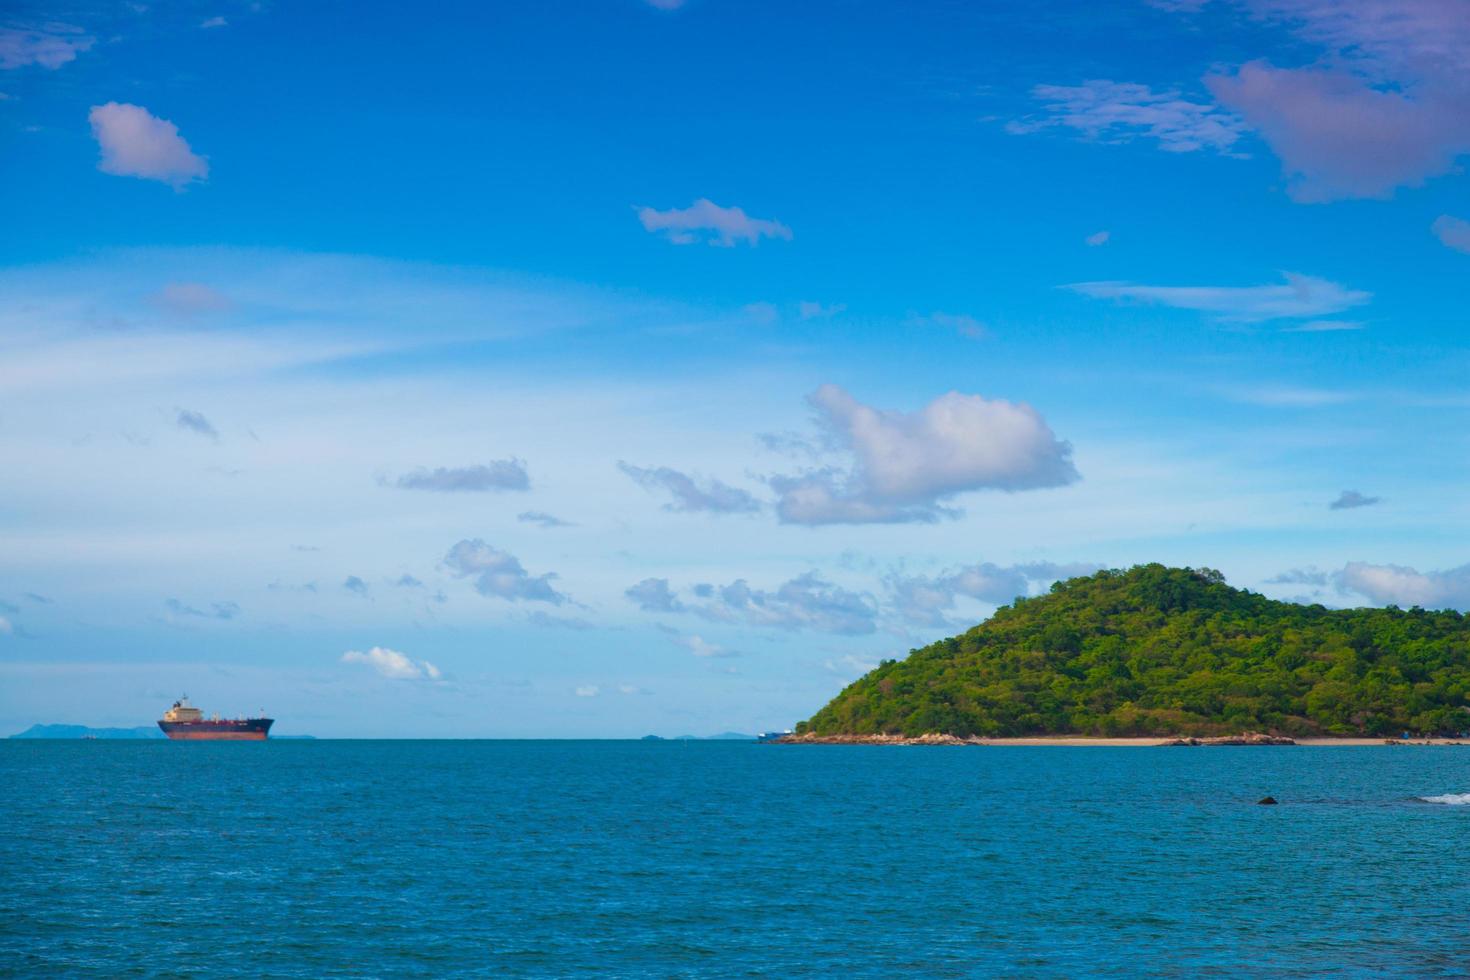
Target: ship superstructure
[184, 721]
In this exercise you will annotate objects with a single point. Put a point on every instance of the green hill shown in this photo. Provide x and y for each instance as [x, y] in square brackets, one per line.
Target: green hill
[1162, 651]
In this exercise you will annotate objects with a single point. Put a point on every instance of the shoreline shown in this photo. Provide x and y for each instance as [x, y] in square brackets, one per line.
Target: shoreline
[1080, 741]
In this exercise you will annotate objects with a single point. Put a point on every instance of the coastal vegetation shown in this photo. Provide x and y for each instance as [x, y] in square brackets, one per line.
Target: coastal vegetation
[1154, 650]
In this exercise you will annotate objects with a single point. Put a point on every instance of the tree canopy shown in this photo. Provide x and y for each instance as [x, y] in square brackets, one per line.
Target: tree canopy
[1163, 651]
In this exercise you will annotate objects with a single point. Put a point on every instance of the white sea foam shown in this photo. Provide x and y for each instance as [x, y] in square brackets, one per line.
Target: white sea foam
[1450, 799]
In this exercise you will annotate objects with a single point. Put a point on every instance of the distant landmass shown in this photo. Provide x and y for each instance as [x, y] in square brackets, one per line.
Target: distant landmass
[1154, 651]
[83, 731]
[722, 736]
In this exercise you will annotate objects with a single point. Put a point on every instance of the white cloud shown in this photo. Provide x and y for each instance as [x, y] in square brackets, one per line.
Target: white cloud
[906, 464]
[1298, 296]
[542, 519]
[1404, 586]
[1452, 232]
[1098, 238]
[706, 221]
[135, 143]
[49, 46]
[394, 665]
[214, 22]
[1116, 112]
[961, 323]
[500, 474]
[699, 646]
[587, 691]
[692, 494]
[498, 573]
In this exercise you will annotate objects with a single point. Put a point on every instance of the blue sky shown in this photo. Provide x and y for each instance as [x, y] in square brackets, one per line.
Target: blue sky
[600, 368]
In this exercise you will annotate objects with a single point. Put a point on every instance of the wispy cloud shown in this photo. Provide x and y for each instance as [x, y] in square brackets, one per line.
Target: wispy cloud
[356, 586]
[1452, 232]
[706, 221]
[698, 645]
[196, 423]
[1298, 296]
[498, 573]
[1098, 238]
[927, 600]
[136, 143]
[807, 602]
[191, 299]
[1115, 112]
[216, 610]
[542, 519]
[502, 474]
[394, 665]
[49, 46]
[692, 494]
[1351, 499]
[906, 465]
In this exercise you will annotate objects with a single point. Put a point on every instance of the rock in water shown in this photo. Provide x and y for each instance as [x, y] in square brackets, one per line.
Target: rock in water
[1266, 801]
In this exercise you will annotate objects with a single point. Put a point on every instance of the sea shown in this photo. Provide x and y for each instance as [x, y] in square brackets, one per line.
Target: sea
[729, 859]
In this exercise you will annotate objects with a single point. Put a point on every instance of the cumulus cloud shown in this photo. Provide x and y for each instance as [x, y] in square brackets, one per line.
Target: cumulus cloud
[542, 519]
[1117, 112]
[136, 143]
[1098, 238]
[1402, 586]
[190, 299]
[691, 494]
[498, 573]
[50, 45]
[501, 474]
[1349, 499]
[905, 464]
[394, 665]
[654, 595]
[1452, 232]
[356, 586]
[216, 610]
[805, 602]
[196, 423]
[1298, 296]
[706, 221]
[926, 600]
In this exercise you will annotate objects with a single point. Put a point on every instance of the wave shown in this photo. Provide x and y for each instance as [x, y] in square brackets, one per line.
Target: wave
[1449, 799]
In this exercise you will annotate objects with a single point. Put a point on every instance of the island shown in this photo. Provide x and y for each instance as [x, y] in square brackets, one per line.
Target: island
[1171, 655]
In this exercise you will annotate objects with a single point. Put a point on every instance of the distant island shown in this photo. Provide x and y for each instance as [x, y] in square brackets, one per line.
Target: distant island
[1155, 651]
[721, 737]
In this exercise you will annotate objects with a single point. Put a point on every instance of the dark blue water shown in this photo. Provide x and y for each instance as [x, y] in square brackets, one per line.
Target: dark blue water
[666, 859]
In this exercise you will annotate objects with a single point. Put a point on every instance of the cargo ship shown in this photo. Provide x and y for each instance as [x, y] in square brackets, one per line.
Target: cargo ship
[184, 721]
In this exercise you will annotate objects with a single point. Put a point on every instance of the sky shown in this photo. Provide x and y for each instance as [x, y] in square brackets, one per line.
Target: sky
[614, 367]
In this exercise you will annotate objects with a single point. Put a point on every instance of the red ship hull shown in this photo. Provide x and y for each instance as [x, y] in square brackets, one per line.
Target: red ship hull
[242, 730]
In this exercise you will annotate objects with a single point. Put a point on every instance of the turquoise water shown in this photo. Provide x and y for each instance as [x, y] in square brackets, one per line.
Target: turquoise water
[728, 859]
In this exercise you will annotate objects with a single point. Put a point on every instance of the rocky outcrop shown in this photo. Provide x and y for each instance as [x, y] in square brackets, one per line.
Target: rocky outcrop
[933, 738]
[1245, 738]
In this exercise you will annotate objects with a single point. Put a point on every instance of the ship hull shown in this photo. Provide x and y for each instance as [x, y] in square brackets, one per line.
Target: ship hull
[247, 730]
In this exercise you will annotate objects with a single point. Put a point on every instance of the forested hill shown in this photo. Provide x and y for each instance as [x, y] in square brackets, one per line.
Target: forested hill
[1156, 650]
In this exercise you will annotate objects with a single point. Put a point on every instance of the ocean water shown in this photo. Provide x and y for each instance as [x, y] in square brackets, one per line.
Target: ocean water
[676, 859]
